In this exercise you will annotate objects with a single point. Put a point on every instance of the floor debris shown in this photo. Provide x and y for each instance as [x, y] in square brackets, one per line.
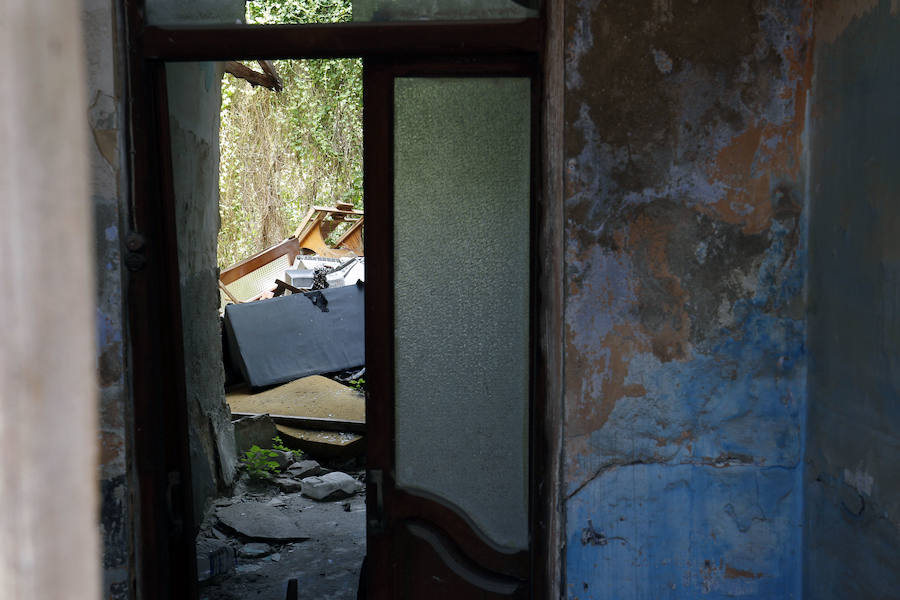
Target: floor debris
[282, 339]
[325, 566]
[314, 397]
[259, 521]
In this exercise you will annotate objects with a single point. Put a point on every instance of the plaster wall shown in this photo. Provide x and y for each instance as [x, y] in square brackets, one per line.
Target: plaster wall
[853, 492]
[194, 103]
[195, 108]
[685, 344]
[108, 177]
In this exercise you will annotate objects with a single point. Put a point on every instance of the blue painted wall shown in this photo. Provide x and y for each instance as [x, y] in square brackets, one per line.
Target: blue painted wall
[685, 305]
[853, 454]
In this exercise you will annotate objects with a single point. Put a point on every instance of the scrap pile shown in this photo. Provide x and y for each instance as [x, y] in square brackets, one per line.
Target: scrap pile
[293, 312]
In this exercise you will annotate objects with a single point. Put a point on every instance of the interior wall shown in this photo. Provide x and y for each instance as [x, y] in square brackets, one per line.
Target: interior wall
[853, 491]
[109, 200]
[685, 359]
[195, 91]
[194, 102]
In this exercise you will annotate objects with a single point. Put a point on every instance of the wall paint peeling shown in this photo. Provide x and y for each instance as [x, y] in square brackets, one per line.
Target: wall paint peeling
[686, 343]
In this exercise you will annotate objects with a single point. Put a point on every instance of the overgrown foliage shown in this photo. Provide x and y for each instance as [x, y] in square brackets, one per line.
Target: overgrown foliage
[284, 152]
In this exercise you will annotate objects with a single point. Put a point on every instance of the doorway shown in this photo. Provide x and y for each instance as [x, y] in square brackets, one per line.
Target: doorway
[464, 550]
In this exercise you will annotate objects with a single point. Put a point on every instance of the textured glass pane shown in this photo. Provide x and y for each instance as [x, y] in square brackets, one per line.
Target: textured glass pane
[415, 10]
[461, 296]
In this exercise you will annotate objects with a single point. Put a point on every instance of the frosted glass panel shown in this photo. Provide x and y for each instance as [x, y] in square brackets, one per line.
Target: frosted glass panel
[461, 259]
[447, 10]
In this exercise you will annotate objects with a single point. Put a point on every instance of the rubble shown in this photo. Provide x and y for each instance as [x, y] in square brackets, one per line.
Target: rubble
[315, 414]
[283, 339]
[327, 563]
[214, 558]
[288, 484]
[255, 550]
[259, 521]
[305, 468]
[329, 486]
[255, 430]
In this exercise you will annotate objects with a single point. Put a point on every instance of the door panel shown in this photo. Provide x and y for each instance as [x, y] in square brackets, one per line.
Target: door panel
[461, 229]
[432, 566]
[448, 180]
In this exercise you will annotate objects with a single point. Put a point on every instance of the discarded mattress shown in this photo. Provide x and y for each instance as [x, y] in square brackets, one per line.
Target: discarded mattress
[281, 339]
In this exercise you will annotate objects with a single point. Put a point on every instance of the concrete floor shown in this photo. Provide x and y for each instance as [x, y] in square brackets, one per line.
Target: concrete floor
[326, 565]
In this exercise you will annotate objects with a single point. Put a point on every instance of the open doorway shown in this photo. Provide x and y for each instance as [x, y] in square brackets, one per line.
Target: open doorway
[282, 496]
[425, 533]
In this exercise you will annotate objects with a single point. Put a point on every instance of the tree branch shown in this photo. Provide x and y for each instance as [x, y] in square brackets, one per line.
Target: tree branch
[254, 77]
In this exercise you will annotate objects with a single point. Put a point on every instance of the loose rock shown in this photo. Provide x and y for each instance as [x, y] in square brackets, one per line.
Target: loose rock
[329, 486]
[288, 485]
[255, 550]
[305, 468]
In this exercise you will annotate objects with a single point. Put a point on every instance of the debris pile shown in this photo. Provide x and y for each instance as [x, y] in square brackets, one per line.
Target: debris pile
[292, 312]
[307, 522]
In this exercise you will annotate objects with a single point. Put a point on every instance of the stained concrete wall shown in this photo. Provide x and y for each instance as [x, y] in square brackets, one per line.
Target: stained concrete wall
[194, 103]
[853, 453]
[195, 93]
[109, 194]
[685, 360]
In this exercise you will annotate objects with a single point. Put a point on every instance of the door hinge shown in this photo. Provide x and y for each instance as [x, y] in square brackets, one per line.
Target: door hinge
[135, 244]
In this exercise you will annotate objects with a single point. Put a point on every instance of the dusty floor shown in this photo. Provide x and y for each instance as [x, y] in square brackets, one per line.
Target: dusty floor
[326, 565]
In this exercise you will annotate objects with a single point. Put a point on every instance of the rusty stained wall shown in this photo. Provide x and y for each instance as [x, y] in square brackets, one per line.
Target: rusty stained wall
[685, 363]
[852, 532]
[108, 194]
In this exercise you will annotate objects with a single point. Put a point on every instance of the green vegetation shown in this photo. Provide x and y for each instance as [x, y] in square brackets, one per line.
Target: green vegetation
[284, 152]
[258, 462]
[277, 444]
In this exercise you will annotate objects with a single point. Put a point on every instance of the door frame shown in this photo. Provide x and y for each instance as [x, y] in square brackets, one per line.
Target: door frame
[164, 551]
[378, 77]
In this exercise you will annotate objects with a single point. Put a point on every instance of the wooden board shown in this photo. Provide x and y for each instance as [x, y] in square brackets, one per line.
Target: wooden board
[314, 396]
[329, 444]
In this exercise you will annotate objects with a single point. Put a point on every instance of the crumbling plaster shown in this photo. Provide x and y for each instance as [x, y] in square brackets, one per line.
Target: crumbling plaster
[108, 192]
[194, 89]
[685, 365]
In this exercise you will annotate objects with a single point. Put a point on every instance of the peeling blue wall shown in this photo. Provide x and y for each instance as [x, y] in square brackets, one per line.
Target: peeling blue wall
[853, 454]
[685, 304]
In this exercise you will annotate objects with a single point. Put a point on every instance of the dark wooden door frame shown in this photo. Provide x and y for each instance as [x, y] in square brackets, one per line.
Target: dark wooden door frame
[165, 564]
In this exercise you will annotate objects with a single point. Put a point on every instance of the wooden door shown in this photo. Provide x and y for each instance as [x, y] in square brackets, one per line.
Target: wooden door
[449, 327]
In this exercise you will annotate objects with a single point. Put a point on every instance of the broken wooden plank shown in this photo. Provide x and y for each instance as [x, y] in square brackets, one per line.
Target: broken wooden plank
[317, 423]
[289, 247]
